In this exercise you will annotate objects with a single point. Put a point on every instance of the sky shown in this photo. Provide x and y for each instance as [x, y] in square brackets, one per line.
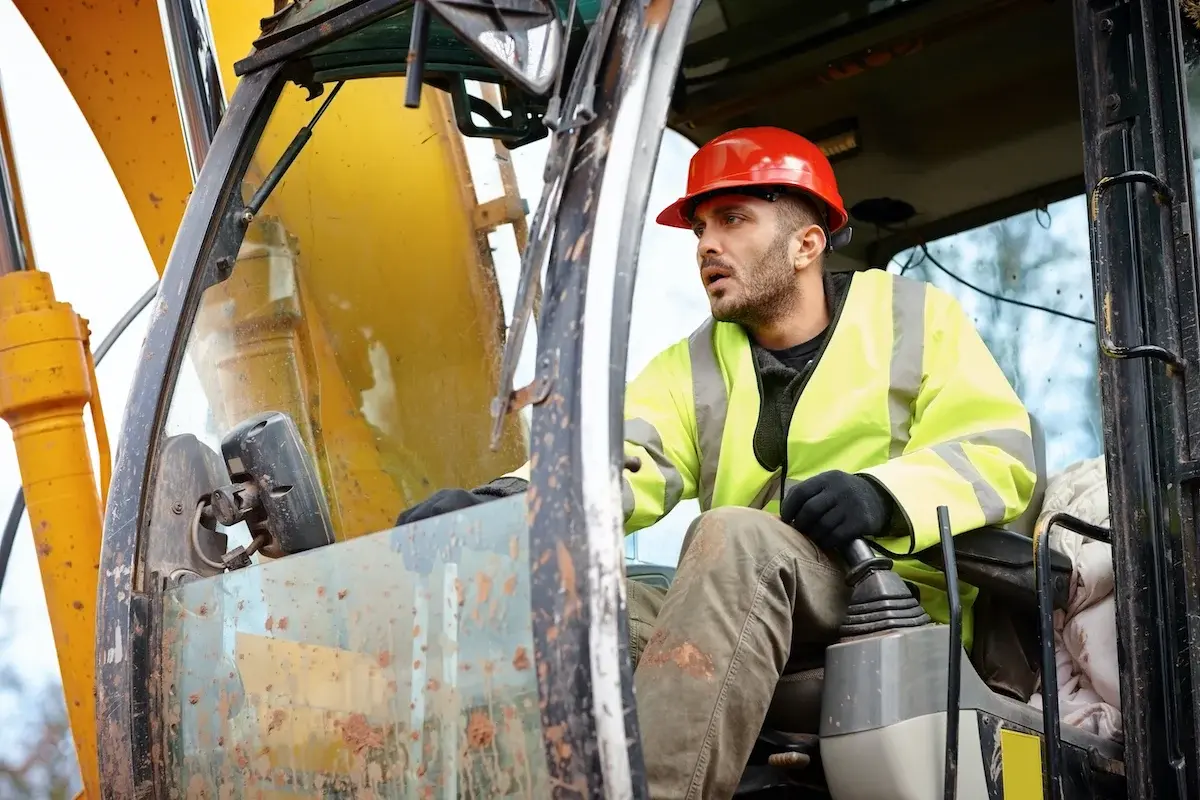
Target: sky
[85, 236]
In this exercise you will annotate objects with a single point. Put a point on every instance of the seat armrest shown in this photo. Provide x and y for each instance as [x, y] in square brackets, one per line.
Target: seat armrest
[1000, 562]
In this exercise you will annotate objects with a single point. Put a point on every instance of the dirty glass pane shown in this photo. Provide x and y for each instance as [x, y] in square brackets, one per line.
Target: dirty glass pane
[362, 302]
[1039, 258]
[1191, 75]
[397, 665]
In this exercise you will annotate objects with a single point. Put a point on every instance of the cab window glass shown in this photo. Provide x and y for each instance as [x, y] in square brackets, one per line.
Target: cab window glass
[362, 305]
[1026, 283]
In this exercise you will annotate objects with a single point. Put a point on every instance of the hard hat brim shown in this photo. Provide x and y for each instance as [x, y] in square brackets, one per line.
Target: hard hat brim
[674, 216]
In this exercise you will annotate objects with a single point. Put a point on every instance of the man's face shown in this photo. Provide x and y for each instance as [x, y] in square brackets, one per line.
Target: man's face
[745, 258]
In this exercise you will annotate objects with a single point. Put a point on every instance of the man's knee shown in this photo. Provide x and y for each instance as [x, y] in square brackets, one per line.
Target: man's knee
[736, 530]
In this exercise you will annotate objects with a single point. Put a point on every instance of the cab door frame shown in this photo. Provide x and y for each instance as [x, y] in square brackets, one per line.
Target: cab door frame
[1139, 185]
[589, 722]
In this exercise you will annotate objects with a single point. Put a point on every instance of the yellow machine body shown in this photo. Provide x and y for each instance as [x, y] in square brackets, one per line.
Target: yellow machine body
[383, 242]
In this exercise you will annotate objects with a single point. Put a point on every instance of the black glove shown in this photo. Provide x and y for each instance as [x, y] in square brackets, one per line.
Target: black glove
[446, 501]
[835, 508]
[441, 502]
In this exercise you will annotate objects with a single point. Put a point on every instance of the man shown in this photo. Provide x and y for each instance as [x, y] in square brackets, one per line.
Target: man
[863, 401]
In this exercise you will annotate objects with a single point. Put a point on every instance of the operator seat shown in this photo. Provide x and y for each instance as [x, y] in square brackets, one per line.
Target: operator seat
[997, 560]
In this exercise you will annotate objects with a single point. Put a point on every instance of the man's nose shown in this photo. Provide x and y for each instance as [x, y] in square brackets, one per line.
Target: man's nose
[709, 244]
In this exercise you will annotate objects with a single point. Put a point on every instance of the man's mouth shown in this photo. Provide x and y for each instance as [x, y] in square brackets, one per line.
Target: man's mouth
[713, 275]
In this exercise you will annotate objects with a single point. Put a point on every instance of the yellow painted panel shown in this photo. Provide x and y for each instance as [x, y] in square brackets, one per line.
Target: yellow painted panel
[1021, 759]
[400, 309]
[113, 60]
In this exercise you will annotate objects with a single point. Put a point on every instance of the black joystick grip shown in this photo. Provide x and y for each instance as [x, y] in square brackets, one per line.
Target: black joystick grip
[861, 561]
[879, 600]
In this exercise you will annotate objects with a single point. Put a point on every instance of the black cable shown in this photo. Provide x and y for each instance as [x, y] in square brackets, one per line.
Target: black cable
[1001, 298]
[9, 537]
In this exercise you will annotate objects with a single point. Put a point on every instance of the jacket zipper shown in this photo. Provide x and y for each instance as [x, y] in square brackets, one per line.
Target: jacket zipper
[807, 375]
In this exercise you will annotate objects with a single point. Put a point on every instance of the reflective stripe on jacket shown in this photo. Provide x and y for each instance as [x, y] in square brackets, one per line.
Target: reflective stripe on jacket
[905, 391]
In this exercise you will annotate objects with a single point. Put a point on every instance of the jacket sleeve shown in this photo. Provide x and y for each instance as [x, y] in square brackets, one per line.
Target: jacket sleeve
[660, 430]
[969, 446]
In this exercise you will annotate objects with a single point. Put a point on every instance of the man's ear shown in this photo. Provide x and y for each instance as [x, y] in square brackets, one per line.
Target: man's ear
[807, 246]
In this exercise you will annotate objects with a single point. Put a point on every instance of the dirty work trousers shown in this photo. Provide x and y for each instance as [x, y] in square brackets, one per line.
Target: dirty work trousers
[751, 600]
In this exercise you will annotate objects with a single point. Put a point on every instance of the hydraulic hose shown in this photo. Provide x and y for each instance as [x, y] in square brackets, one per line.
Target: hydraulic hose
[9, 536]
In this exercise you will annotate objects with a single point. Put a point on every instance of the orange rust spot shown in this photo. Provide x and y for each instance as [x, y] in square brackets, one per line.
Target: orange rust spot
[385, 658]
[458, 589]
[656, 12]
[44, 548]
[514, 546]
[270, 624]
[433, 685]
[416, 631]
[576, 252]
[320, 591]
[342, 594]
[277, 718]
[77, 605]
[520, 660]
[481, 731]
[552, 634]
[484, 583]
[417, 664]
[358, 734]
[194, 698]
[566, 572]
[510, 585]
[283, 623]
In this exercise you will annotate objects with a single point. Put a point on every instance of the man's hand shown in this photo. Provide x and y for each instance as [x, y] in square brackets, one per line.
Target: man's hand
[446, 501]
[441, 502]
[835, 508]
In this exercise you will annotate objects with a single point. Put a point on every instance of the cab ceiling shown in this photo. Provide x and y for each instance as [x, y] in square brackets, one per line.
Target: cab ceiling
[963, 110]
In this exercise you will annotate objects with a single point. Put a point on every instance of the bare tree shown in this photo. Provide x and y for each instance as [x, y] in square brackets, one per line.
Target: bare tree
[38, 759]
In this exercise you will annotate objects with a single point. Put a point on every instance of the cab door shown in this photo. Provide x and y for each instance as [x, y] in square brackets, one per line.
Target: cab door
[1131, 59]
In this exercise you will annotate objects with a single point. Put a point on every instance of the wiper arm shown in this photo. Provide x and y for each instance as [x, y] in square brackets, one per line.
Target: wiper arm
[286, 160]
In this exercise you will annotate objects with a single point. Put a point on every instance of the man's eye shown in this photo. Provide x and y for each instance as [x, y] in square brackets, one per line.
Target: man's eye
[731, 219]
[698, 230]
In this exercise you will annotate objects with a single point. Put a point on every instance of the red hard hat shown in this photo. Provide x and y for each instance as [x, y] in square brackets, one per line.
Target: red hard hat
[765, 157]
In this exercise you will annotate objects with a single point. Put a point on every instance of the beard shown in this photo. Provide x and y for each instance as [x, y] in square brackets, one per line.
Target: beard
[765, 290]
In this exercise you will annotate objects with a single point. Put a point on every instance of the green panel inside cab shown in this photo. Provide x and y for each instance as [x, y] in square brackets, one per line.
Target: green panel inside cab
[386, 41]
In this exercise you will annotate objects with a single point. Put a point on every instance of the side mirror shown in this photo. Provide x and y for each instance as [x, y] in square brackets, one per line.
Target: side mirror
[274, 490]
[524, 39]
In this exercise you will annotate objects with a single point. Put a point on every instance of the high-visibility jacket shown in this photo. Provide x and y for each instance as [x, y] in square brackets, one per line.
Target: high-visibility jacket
[905, 391]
